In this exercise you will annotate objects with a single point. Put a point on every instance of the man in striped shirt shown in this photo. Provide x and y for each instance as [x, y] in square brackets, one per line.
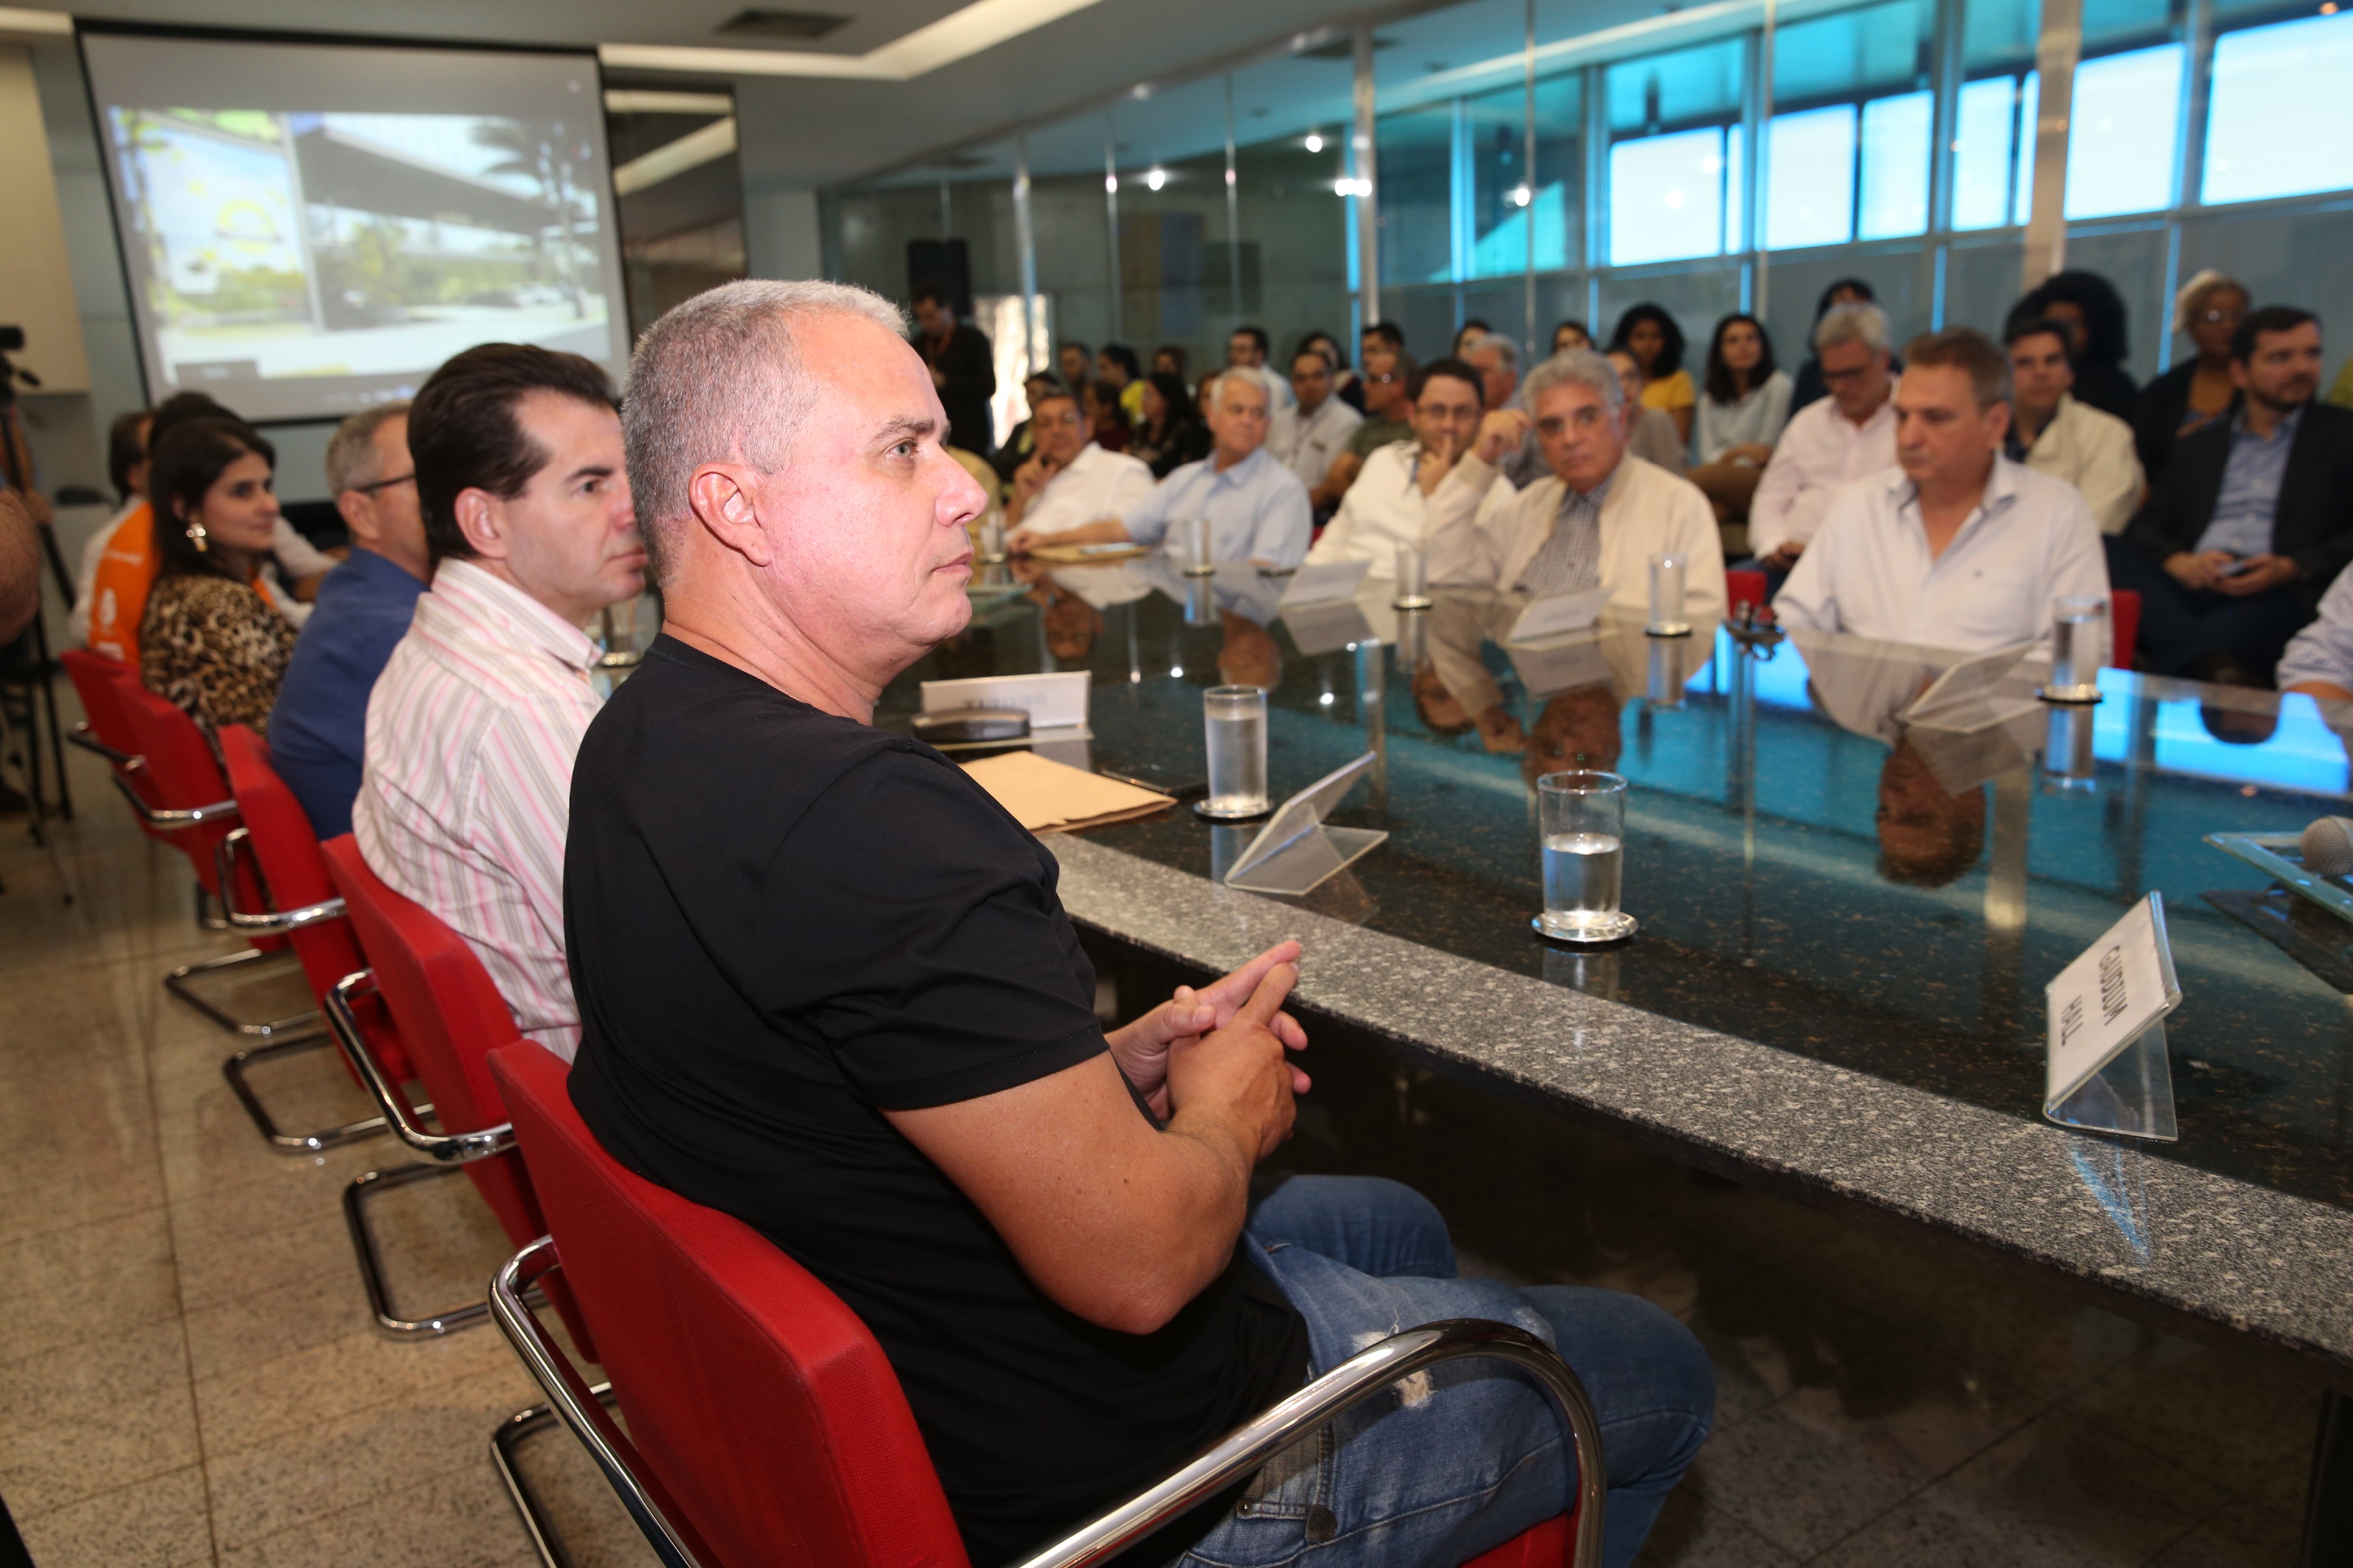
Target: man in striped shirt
[472, 728]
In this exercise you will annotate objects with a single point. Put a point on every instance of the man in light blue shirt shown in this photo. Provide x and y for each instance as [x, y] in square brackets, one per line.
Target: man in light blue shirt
[2244, 506]
[1257, 509]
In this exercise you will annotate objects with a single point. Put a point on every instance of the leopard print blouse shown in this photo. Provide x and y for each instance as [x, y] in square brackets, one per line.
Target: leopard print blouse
[214, 648]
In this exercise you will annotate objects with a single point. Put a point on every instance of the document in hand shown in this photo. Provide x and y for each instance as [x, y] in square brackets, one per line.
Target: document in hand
[1046, 797]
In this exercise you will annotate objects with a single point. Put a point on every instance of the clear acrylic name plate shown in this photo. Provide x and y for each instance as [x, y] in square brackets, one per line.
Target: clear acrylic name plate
[2106, 1070]
[1294, 853]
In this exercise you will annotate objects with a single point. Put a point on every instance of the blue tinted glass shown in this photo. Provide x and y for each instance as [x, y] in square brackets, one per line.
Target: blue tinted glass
[2124, 128]
[1666, 197]
[1981, 154]
[1878, 46]
[1415, 156]
[2275, 119]
[1809, 179]
[1675, 89]
[1998, 32]
[2113, 22]
[1736, 188]
[1895, 166]
[2029, 104]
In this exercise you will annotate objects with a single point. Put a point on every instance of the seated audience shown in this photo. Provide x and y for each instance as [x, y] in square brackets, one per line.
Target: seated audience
[887, 1060]
[1389, 503]
[1809, 387]
[318, 732]
[1742, 409]
[1594, 522]
[20, 566]
[1571, 334]
[472, 727]
[2250, 519]
[2319, 659]
[1071, 480]
[1117, 365]
[1321, 430]
[1343, 379]
[1172, 433]
[1106, 421]
[1246, 348]
[209, 640]
[126, 469]
[963, 367]
[1077, 364]
[1956, 547]
[2199, 391]
[1497, 360]
[1472, 330]
[1020, 443]
[1387, 379]
[2052, 434]
[1257, 509]
[1170, 359]
[1650, 335]
[2092, 311]
[1650, 435]
[1830, 443]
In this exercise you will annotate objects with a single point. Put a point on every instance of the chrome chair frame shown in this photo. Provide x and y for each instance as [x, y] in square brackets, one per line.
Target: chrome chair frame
[446, 1154]
[1233, 1458]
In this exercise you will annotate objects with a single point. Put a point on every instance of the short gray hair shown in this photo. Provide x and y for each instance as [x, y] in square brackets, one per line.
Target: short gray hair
[351, 451]
[1505, 349]
[719, 378]
[1245, 373]
[1857, 323]
[1575, 367]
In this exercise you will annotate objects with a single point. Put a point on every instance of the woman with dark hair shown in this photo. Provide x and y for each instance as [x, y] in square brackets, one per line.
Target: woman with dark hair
[1117, 364]
[1650, 335]
[1810, 386]
[1107, 422]
[1742, 408]
[2198, 391]
[2092, 311]
[212, 642]
[1170, 359]
[1172, 433]
[1571, 333]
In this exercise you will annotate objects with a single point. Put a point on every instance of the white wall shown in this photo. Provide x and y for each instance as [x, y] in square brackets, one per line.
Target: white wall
[780, 234]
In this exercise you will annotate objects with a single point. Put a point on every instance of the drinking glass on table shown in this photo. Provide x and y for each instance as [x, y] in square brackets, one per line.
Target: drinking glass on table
[1234, 725]
[1582, 823]
[1199, 560]
[1412, 577]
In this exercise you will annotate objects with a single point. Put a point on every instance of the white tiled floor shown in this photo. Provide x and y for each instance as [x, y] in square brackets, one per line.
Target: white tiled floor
[188, 1373]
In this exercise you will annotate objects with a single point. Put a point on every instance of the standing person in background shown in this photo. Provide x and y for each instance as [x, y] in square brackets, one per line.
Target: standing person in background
[1809, 386]
[1172, 433]
[2092, 311]
[1322, 431]
[1117, 365]
[2199, 391]
[1650, 335]
[209, 642]
[1742, 408]
[2052, 434]
[1386, 405]
[963, 367]
[1649, 434]
[1829, 444]
[1077, 364]
[126, 469]
[1571, 334]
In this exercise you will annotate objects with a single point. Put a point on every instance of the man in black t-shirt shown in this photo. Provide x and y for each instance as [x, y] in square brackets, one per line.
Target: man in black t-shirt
[827, 986]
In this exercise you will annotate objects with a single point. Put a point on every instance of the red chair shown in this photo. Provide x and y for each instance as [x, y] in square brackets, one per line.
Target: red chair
[1746, 587]
[105, 730]
[2123, 614]
[448, 1015]
[305, 908]
[765, 1425]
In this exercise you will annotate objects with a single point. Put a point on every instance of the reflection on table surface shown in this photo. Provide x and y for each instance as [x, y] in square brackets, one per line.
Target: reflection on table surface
[1814, 865]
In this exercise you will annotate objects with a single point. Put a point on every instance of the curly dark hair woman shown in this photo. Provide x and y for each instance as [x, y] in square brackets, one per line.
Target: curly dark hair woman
[1650, 335]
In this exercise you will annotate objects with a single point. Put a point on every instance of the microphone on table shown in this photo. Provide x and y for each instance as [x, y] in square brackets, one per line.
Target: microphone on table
[2328, 846]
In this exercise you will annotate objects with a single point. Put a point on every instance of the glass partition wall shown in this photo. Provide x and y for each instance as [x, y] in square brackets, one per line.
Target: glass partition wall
[1521, 162]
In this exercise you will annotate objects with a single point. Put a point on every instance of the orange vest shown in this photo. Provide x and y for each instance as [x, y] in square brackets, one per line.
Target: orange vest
[117, 597]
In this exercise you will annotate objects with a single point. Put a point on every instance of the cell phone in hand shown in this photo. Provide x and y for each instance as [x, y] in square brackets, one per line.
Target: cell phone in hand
[2242, 564]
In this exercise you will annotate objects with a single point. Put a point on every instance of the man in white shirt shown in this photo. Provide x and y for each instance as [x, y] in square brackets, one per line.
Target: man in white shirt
[1257, 509]
[1829, 443]
[1389, 503]
[1594, 521]
[1324, 423]
[1959, 547]
[472, 728]
[2052, 434]
[1069, 481]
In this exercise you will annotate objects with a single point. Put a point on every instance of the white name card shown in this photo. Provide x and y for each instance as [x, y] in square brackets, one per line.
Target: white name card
[1567, 612]
[1054, 702]
[2108, 998]
[1319, 585]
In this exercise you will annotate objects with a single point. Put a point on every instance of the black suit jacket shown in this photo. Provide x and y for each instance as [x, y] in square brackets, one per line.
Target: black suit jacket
[2314, 524]
[970, 367]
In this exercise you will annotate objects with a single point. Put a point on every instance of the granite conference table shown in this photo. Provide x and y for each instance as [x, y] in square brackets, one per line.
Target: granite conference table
[1846, 921]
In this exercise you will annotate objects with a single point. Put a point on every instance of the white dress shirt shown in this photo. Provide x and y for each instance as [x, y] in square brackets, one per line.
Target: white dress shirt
[2324, 649]
[1315, 439]
[1868, 571]
[467, 792]
[1648, 512]
[1384, 508]
[2093, 450]
[1820, 451]
[1257, 509]
[1096, 485]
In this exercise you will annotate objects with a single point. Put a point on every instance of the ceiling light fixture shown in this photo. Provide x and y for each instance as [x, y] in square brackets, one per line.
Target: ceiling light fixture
[982, 24]
[1156, 178]
[1315, 142]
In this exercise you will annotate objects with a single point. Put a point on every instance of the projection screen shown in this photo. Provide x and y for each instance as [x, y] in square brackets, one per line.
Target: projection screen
[309, 228]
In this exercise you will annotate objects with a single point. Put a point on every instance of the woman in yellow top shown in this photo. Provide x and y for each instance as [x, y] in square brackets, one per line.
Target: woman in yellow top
[209, 641]
[1650, 335]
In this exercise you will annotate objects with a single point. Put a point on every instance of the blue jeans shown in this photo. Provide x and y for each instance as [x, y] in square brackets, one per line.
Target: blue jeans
[1466, 1456]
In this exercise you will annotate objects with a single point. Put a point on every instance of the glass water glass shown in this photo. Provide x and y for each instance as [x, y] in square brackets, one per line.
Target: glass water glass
[1233, 722]
[1667, 617]
[2079, 647]
[1199, 560]
[992, 537]
[1412, 577]
[1581, 818]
